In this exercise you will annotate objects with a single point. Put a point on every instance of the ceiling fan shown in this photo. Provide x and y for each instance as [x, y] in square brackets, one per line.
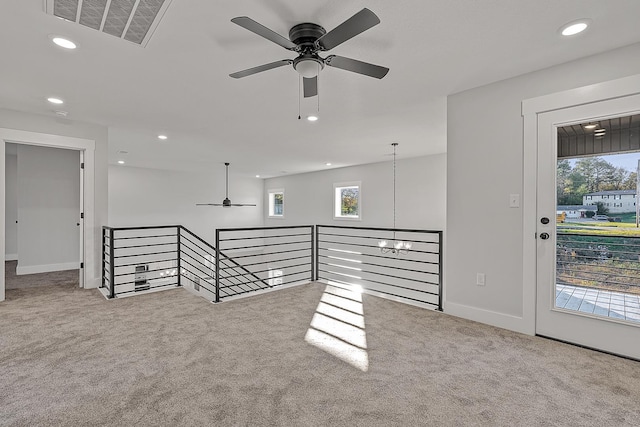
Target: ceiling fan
[307, 40]
[226, 202]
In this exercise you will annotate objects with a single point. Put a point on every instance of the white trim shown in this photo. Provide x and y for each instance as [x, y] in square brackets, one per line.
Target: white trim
[336, 186]
[46, 268]
[531, 108]
[65, 142]
[10, 257]
[494, 318]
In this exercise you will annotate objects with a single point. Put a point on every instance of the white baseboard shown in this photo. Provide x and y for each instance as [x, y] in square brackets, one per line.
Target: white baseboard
[11, 257]
[46, 268]
[493, 318]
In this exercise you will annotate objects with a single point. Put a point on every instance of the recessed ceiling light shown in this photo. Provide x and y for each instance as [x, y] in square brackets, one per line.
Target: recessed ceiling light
[162, 137]
[574, 27]
[327, 164]
[62, 42]
[312, 118]
[257, 176]
[591, 126]
[121, 162]
[55, 100]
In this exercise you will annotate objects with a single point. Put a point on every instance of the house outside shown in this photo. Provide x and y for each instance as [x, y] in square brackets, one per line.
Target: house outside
[576, 211]
[617, 201]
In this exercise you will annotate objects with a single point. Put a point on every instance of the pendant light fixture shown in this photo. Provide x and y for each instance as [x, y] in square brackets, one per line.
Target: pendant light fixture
[394, 246]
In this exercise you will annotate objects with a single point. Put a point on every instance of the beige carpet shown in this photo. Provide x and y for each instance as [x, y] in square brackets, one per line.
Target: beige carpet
[68, 357]
[13, 281]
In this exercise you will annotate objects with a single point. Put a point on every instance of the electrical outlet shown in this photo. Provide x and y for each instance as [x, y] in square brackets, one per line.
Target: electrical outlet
[480, 279]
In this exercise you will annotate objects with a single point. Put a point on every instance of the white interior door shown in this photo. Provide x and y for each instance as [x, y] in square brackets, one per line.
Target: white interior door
[617, 336]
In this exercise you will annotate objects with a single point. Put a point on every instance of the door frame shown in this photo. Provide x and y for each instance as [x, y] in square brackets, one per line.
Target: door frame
[531, 108]
[65, 142]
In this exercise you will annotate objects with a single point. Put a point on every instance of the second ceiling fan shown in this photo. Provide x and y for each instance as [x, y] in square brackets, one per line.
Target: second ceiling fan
[307, 40]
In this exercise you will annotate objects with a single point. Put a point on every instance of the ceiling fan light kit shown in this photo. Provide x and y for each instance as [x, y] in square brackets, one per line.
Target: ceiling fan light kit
[307, 39]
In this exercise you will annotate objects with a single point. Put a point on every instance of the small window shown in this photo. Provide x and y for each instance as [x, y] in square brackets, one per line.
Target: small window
[347, 200]
[276, 203]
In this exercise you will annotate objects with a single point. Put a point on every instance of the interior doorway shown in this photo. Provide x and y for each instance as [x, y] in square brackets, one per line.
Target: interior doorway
[89, 252]
[43, 207]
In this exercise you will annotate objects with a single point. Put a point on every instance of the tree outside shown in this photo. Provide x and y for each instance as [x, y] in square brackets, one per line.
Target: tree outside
[349, 201]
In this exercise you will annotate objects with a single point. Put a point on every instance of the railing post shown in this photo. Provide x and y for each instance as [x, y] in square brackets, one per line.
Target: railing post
[112, 284]
[440, 271]
[312, 261]
[316, 261]
[178, 255]
[217, 265]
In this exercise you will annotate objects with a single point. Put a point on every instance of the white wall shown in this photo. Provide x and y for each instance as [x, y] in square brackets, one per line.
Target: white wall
[49, 124]
[48, 209]
[11, 207]
[420, 194]
[485, 166]
[140, 197]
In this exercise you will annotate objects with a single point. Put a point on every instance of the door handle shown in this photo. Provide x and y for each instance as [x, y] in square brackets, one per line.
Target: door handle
[544, 236]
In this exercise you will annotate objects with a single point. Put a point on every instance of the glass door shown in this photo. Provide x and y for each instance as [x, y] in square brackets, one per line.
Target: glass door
[588, 244]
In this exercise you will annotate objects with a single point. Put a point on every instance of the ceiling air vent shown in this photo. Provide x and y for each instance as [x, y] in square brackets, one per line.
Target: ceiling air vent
[131, 20]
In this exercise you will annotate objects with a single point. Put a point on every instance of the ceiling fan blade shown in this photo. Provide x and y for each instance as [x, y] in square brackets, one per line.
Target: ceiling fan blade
[356, 66]
[260, 68]
[261, 30]
[241, 204]
[310, 86]
[353, 26]
[208, 204]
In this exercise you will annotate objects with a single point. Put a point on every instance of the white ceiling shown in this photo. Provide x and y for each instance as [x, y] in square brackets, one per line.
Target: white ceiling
[179, 85]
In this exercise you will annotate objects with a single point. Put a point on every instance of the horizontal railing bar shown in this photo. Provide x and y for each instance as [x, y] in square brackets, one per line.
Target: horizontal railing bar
[603, 265]
[144, 246]
[282, 275]
[144, 237]
[603, 282]
[263, 237]
[387, 293]
[145, 262]
[383, 266]
[596, 236]
[266, 271]
[403, 230]
[579, 246]
[383, 257]
[264, 245]
[371, 246]
[607, 258]
[151, 287]
[203, 272]
[144, 272]
[269, 253]
[284, 227]
[386, 275]
[148, 227]
[242, 286]
[351, 236]
[148, 284]
[145, 254]
[270, 287]
[280, 260]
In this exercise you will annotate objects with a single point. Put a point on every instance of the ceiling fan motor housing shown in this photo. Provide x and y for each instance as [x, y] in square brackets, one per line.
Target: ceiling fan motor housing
[306, 34]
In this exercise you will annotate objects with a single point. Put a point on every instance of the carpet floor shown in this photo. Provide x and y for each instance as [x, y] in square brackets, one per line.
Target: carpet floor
[13, 281]
[68, 357]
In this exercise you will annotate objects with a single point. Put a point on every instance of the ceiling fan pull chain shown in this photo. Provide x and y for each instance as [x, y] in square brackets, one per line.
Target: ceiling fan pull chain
[299, 94]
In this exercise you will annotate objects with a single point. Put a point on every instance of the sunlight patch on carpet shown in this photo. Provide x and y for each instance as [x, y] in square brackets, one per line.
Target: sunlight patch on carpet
[337, 326]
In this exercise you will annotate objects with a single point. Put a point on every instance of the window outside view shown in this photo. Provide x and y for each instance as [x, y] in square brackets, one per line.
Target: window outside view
[349, 201]
[278, 203]
[598, 241]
